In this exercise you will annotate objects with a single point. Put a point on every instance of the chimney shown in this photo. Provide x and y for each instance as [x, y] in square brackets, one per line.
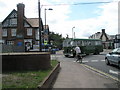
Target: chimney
[20, 20]
[103, 31]
[20, 28]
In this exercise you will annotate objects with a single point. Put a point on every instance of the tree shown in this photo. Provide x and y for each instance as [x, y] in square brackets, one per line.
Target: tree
[56, 39]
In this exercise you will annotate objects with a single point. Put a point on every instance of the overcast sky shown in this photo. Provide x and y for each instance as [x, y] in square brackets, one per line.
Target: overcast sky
[66, 14]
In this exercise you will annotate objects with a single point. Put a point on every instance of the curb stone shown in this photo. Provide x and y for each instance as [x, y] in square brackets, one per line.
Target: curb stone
[49, 80]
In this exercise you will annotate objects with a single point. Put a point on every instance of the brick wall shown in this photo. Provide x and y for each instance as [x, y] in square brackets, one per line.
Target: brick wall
[25, 61]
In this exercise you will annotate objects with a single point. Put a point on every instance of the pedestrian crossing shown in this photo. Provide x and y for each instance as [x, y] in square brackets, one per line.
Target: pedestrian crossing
[84, 61]
[74, 60]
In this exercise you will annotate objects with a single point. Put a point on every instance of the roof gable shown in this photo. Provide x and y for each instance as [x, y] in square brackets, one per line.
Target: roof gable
[13, 14]
[104, 35]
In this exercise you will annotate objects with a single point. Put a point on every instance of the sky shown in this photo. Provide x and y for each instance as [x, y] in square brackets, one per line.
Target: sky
[87, 18]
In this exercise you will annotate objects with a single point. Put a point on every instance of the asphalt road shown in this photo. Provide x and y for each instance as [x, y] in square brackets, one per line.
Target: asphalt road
[98, 62]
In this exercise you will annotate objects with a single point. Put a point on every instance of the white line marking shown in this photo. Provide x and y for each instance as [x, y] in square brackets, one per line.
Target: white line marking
[94, 60]
[85, 61]
[100, 72]
[102, 60]
[113, 72]
[55, 56]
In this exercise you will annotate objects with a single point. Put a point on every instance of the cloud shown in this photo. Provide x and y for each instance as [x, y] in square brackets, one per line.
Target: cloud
[58, 18]
[107, 19]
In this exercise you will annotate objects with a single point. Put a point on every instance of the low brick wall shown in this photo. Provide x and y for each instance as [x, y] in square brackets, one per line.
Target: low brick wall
[25, 61]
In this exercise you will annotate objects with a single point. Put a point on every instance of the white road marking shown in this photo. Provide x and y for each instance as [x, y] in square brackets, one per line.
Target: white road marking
[102, 60]
[113, 72]
[55, 56]
[85, 61]
[94, 60]
[91, 60]
[100, 72]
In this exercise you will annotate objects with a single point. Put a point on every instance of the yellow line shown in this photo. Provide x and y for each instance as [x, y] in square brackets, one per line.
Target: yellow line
[103, 73]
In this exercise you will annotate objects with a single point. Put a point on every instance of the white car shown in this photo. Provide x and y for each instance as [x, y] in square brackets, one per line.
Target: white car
[113, 57]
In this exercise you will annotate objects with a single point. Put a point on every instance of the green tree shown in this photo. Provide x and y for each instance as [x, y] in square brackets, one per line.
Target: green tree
[56, 39]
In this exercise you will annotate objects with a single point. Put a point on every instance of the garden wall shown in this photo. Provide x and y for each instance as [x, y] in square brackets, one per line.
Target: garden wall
[25, 61]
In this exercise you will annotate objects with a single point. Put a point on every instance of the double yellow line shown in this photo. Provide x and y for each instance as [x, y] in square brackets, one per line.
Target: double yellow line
[100, 72]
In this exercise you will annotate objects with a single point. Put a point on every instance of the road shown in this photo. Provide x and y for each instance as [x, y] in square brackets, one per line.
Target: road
[96, 62]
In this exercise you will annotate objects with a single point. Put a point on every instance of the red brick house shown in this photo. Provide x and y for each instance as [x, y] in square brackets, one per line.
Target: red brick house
[17, 30]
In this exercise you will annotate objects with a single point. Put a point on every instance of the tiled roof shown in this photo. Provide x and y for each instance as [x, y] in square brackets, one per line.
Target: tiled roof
[34, 22]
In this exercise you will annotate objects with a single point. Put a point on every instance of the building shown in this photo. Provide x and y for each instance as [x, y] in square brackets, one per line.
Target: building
[117, 41]
[107, 40]
[19, 31]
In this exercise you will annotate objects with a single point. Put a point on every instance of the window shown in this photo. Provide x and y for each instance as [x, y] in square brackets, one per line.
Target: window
[2, 41]
[29, 32]
[37, 34]
[4, 32]
[13, 32]
[13, 21]
[10, 42]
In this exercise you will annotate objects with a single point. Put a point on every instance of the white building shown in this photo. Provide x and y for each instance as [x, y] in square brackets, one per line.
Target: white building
[107, 40]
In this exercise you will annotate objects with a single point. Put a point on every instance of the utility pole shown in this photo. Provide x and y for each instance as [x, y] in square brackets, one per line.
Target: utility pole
[39, 10]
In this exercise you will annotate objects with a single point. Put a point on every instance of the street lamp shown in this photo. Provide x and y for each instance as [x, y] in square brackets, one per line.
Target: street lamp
[72, 31]
[39, 10]
[74, 35]
[45, 20]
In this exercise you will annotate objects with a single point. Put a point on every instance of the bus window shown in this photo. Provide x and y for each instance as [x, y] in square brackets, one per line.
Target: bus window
[89, 42]
[79, 43]
[97, 43]
[92, 42]
[72, 43]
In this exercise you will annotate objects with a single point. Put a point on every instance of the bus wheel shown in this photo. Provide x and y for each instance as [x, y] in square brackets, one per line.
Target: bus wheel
[66, 55]
[96, 53]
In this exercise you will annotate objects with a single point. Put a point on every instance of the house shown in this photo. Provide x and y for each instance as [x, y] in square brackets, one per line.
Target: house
[107, 40]
[19, 31]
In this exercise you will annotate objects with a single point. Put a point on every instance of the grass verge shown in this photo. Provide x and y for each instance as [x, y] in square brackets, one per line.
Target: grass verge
[25, 79]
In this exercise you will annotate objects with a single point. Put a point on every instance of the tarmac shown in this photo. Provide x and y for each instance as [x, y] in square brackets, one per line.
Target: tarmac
[76, 75]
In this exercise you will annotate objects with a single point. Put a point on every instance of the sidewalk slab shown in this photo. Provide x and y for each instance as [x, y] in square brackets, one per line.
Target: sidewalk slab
[75, 75]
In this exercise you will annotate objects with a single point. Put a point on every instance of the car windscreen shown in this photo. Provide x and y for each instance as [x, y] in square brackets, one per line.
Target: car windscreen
[118, 51]
[115, 50]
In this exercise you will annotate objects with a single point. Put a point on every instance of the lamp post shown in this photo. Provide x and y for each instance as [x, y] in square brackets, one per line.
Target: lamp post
[74, 35]
[72, 31]
[39, 10]
[45, 20]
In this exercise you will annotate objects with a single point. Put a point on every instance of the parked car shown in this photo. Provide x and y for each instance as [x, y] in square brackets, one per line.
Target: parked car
[113, 57]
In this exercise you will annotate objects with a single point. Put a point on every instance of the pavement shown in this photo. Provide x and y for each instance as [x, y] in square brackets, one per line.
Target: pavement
[76, 75]
[106, 51]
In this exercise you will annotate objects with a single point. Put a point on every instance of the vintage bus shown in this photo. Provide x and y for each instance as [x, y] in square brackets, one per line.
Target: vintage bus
[87, 46]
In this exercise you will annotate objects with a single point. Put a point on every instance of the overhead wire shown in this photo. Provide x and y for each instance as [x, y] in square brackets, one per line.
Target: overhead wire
[82, 3]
